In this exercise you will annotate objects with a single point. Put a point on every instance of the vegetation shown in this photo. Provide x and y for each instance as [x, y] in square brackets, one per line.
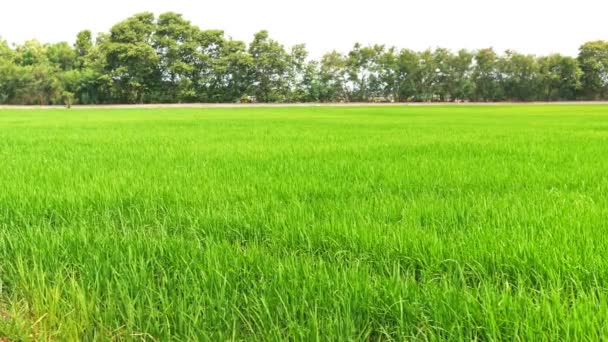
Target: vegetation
[456, 223]
[144, 59]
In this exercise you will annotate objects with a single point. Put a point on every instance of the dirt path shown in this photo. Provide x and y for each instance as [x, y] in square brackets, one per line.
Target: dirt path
[283, 105]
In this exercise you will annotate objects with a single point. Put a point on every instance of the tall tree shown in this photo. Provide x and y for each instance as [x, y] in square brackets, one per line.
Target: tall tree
[560, 78]
[131, 60]
[519, 76]
[6, 53]
[87, 81]
[177, 44]
[83, 47]
[426, 76]
[8, 74]
[593, 60]
[208, 77]
[442, 60]
[407, 74]
[333, 77]
[30, 53]
[296, 79]
[233, 72]
[460, 84]
[270, 69]
[313, 87]
[486, 77]
[61, 55]
[363, 71]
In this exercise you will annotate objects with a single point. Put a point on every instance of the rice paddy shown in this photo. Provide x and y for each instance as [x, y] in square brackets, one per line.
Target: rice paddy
[307, 223]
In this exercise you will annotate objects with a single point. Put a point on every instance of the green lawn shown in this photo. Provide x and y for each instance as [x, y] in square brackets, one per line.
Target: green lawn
[378, 223]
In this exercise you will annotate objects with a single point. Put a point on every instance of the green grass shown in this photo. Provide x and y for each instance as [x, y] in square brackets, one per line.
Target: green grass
[380, 223]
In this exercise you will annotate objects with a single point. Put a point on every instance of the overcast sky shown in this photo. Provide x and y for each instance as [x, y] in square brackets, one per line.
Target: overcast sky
[531, 26]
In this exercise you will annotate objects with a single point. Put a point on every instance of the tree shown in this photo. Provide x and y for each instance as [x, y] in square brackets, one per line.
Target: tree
[131, 60]
[312, 85]
[6, 53]
[460, 84]
[61, 55]
[233, 72]
[32, 76]
[30, 53]
[83, 47]
[40, 85]
[560, 78]
[296, 79]
[7, 71]
[593, 60]
[333, 78]
[144, 59]
[426, 76]
[270, 69]
[399, 72]
[88, 80]
[211, 49]
[68, 99]
[176, 42]
[407, 65]
[442, 62]
[486, 77]
[519, 76]
[363, 71]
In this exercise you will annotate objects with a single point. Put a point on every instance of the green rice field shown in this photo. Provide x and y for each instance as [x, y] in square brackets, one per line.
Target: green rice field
[304, 223]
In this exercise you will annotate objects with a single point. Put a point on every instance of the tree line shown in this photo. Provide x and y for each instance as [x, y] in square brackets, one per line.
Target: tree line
[145, 59]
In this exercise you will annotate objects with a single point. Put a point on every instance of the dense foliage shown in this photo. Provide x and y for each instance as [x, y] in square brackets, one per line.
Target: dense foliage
[144, 59]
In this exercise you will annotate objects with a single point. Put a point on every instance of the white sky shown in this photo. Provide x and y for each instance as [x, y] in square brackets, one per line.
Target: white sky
[529, 26]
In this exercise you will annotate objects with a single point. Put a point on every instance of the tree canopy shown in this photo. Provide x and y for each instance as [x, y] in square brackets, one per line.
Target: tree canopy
[167, 59]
